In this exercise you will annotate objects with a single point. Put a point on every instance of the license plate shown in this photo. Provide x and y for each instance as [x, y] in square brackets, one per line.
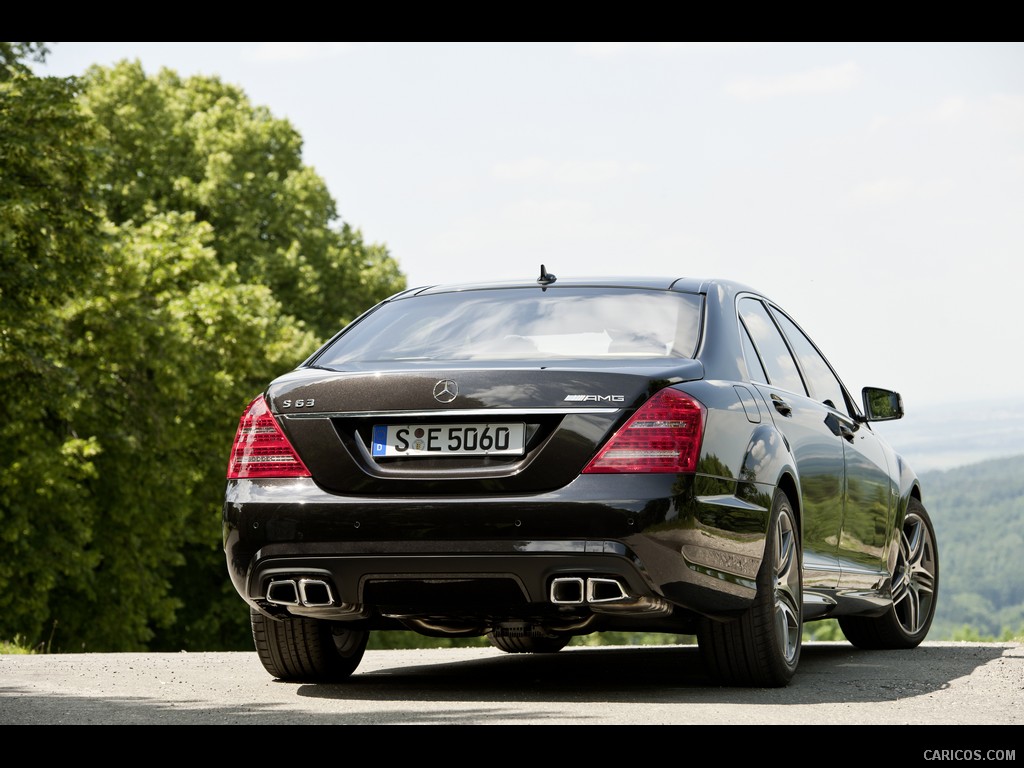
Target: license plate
[448, 439]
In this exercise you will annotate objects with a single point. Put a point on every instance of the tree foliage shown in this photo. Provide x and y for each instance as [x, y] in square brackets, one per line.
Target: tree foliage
[51, 239]
[978, 513]
[165, 253]
[13, 55]
[198, 145]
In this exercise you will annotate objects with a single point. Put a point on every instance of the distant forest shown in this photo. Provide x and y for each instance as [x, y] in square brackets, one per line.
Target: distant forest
[978, 513]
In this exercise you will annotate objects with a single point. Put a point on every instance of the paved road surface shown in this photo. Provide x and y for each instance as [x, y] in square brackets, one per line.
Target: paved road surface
[937, 684]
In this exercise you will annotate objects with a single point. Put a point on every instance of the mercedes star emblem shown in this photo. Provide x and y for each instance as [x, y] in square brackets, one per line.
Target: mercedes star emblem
[445, 391]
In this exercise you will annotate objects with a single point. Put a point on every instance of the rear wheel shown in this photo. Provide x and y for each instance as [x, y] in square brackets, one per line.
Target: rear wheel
[527, 644]
[307, 650]
[915, 585]
[762, 647]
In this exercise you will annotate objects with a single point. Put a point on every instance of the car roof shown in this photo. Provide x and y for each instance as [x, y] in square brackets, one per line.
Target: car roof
[680, 284]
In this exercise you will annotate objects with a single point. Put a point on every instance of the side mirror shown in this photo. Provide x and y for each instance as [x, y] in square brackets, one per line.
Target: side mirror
[882, 404]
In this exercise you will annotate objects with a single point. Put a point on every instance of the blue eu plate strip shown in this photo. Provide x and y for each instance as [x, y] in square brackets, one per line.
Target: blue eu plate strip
[380, 438]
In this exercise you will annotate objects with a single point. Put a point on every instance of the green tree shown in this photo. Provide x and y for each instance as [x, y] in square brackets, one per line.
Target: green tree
[197, 144]
[162, 347]
[13, 55]
[165, 255]
[51, 239]
[978, 512]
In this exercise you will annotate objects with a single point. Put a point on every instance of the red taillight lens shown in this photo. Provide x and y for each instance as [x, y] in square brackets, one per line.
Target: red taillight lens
[663, 436]
[261, 449]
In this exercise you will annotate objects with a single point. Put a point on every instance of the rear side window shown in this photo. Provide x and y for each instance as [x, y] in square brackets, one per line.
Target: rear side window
[823, 383]
[523, 324]
[754, 367]
[774, 354]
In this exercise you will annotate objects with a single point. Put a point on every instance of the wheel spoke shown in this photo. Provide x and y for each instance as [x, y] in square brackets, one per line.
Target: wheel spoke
[787, 587]
[915, 536]
[788, 627]
[923, 580]
[914, 579]
[908, 608]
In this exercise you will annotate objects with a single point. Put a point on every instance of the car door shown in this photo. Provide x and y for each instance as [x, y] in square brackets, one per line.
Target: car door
[868, 492]
[812, 436]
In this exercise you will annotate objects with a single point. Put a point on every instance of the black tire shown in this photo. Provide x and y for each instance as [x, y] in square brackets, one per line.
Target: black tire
[762, 647]
[546, 644]
[915, 589]
[305, 650]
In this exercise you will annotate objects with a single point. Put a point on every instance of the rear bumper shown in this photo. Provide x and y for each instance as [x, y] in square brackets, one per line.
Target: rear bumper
[622, 548]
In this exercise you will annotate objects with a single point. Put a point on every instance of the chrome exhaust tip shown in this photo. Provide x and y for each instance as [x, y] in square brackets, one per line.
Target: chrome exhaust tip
[574, 590]
[567, 590]
[315, 592]
[605, 590]
[310, 593]
[284, 592]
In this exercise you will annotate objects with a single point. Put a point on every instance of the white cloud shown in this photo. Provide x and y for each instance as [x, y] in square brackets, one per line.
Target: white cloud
[996, 113]
[999, 111]
[1008, 111]
[510, 240]
[558, 214]
[521, 170]
[300, 51]
[603, 49]
[894, 190]
[568, 172]
[606, 50]
[825, 80]
[878, 124]
[950, 109]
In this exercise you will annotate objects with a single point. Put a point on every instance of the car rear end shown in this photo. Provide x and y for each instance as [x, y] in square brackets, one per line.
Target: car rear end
[501, 460]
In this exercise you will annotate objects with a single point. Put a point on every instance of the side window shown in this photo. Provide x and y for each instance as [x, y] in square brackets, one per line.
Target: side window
[754, 367]
[822, 382]
[778, 362]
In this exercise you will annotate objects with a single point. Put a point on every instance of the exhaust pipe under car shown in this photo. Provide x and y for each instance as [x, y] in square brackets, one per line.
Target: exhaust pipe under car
[310, 593]
[574, 590]
[605, 595]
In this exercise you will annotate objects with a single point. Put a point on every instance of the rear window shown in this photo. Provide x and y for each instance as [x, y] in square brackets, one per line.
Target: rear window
[523, 324]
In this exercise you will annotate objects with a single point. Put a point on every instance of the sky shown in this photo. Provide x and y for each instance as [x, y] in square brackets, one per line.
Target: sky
[874, 190]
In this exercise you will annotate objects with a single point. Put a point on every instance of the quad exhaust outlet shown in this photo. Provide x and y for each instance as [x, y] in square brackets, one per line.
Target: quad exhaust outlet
[310, 593]
[575, 590]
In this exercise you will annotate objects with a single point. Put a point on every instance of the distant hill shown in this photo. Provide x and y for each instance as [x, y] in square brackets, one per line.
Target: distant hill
[957, 434]
[978, 513]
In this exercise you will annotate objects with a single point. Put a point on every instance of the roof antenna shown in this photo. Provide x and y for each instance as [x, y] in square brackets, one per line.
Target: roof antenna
[546, 278]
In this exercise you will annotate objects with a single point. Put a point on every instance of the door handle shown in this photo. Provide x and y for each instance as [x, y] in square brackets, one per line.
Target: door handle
[781, 405]
[846, 432]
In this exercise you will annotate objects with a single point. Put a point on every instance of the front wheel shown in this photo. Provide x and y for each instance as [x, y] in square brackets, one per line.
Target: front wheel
[762, 647]
[915, 586]
[305, 650]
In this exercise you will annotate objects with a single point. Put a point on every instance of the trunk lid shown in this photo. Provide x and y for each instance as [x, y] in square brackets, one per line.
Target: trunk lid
[357, 430]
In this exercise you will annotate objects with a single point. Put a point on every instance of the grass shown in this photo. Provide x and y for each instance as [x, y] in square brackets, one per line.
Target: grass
[17, 645]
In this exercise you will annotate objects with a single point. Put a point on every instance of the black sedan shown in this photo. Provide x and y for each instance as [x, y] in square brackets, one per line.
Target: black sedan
[533, 461]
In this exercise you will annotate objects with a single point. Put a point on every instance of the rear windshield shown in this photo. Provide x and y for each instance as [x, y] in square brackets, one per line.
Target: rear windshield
[523, 324]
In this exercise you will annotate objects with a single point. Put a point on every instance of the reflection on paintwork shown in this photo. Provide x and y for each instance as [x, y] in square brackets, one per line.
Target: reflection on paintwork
[508, 393]
[722, 565]
[869, 512]
[763, 450]
[748, 404]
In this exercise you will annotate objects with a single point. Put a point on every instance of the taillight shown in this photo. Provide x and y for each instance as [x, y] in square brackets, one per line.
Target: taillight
[664, 435]
[261, 449]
